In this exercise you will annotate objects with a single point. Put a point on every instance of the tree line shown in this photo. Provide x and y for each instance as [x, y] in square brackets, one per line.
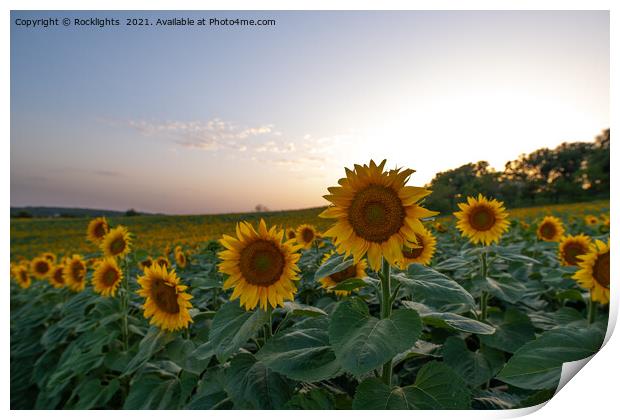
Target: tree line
[577, 171]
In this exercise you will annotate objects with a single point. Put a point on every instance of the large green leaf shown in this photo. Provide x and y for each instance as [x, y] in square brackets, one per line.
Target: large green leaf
[435, 289]
[362, 342]
[512, 331]
[449, 320]
[210, 393]
[152, 342]
[232, 327]
[252, 385]
[149, 392]
[538, 364]
[299, 309]
[436, 387]
[475, 368]
[504, 287]
[301, 352]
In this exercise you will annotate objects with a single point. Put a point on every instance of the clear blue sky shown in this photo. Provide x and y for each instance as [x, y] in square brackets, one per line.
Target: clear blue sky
[218, 119]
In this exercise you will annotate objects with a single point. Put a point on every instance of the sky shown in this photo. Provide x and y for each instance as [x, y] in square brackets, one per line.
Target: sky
[193, 120]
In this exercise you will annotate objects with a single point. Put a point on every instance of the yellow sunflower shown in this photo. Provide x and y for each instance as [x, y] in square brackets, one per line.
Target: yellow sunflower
[97, 230]
[593, 271]
[305, 235]
[357, 270]
[550, 229]
[107, 277]
[180, 259]
[376, 214]
[57, 278]
[440, 228]
[482, 220]
[116, 242]
[22, 276]
[75, 273]
[572, 247]
[166, 302]
[147, 262]
[261, 268]
[50, 256]
[162, 261]
[40, 267]
[591, 220]
[422, 253]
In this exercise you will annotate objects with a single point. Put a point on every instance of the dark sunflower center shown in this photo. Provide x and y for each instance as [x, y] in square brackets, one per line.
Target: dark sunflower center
[77, 271]
[147, 263]
[100, 230]
[376, 213]
[165, 296]
[118, 245]
[347, 273]
[110, 276]
[181, 258]
[307, 235]
[162, 262]
[572, 251]
[291, 234]
[42, 267]
[414, 252]
[547, 230]
[23, 275]
[58, 278]
[482, 218]
[600, 271]
[261, 263]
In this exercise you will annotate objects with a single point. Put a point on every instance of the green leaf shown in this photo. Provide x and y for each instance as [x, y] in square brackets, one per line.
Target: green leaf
[334, 264]
[538, 364]
[299, 309]
[152, 342]
[453, 263]
[436, 387]
[475, 368]
[504, 288]
[232, 327]
[488, 399]
[435, 290]
[449, 320]
[301, 352]
[151, 392]
[315, 399]
[210, 392]
[93, 393]
[362, 342]
[350, 284]
[252, 385]
[511, 332]
[512, 254]
[181, 352]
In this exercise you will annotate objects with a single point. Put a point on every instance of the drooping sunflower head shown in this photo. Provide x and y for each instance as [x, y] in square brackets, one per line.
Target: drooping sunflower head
[166, 302]
[22, 276]
[116, 243]
[571, 248]
[305, 235]
[147, 262]
[57, 278]
[482, 220]
[376, 213]
[181, 260]
[97, 230]
[40, 267]
[261, 269]
[422, 252]
[75, 273]
[591, 220]
[593, 273]
[50, 256]
[106, 277]
[162, 261]
[356, 270]
[550, 229]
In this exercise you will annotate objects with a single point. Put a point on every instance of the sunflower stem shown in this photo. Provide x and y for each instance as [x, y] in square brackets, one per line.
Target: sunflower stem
[591, 310]
[386, 311]
[268, 331]
[125, 306]
[484, 297]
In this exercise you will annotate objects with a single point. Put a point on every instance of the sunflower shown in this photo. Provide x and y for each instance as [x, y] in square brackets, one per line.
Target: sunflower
[162, 261]
[166, 302]
[571, 248]
[290, 234]
[422, 253]
[357, 270]
[116, 242]
[591, 220]
[550, 229]
[261, 269]
[107, 277]
[75, 273]
[97, 230]
[180, 259]
[376, 214]
[440, 228]
[50, 256]
[22, 276]
[147, 262]
[57, 278]
[482, 220]
[40, 267]
[593, 271]
[305, 235]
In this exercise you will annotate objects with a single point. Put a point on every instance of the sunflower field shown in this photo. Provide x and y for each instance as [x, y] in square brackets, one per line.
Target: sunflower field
[380, 303]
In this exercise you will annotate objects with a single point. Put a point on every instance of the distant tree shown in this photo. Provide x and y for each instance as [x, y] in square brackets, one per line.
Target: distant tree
[131, 212]
[23, 214]
[260, 208]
